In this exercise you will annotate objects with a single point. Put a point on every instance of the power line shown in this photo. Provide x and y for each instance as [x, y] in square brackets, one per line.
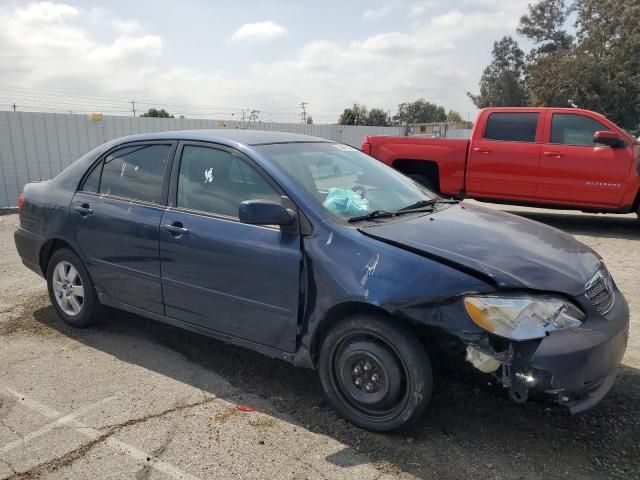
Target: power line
[57, 101]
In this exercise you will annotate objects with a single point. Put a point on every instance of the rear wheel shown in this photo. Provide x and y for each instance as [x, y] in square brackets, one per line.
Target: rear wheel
[376, 374]
[423, 180]
[71, 290]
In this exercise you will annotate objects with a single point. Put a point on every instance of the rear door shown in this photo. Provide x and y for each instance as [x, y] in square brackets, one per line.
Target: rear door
[218, 273]
[504, 161]
[574, 170]
[116, 220]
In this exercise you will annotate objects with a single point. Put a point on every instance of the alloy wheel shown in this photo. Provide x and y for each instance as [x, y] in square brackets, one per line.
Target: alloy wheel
[68, 288]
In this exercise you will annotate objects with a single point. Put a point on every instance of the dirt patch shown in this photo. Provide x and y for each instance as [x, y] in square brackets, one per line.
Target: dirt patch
[226, 415]
[262, 422]
[17, 318]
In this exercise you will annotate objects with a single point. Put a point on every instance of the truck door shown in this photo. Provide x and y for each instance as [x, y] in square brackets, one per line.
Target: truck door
[505, 157]
[574, 170]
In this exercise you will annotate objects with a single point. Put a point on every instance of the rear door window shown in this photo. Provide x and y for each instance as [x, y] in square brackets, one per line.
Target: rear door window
[574, 129]
[135, 172]
[217, 181]
[512, 126]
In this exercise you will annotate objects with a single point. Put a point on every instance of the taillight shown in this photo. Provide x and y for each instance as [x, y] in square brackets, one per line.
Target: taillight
[366, 148]
[21, 201]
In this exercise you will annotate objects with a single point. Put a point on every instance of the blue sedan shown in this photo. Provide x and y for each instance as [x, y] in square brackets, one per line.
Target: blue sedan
[310, 251]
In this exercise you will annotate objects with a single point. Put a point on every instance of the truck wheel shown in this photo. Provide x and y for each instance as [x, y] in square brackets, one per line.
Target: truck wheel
[71, 290]
[376, 374]
[423, 180]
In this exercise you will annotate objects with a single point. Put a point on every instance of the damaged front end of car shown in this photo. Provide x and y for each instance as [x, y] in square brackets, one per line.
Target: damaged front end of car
[530, 341]
[546, 343]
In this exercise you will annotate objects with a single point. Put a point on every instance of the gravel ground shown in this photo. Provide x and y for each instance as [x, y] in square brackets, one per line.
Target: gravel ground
[136, 399]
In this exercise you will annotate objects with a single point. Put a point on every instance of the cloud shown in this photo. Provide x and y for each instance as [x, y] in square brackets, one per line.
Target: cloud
[55, 46]
[258, 32]
[374, 13]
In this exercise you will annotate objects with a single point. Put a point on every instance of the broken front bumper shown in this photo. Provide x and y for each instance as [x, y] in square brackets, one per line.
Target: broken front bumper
[578, 364]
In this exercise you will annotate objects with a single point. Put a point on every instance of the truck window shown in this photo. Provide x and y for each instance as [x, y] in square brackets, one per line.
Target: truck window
[574, 129]
[512, 127]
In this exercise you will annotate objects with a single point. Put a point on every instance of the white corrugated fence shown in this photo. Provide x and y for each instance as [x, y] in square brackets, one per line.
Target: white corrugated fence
[36, 145]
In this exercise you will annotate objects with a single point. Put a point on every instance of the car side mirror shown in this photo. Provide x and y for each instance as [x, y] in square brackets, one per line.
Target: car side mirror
[265, 212]
[611, 139]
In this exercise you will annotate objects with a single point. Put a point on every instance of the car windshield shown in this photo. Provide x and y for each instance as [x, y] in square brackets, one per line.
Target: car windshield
[348, 183]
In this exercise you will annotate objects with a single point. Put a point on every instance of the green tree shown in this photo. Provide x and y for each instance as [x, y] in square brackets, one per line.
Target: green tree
[502, 83]
[599, 69]
[309, 120]
[356, 115]
[152, 112]
[608, 54]
[545, 25]
[551, 59]
[419, 111]
[454, 117]
[378, 118]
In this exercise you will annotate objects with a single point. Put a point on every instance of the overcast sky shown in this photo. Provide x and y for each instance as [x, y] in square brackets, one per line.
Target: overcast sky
[226, 56]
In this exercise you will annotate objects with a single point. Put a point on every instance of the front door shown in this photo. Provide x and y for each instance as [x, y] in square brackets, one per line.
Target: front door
[574, 170]
[238, 279]
[504, 162]
[116, 215]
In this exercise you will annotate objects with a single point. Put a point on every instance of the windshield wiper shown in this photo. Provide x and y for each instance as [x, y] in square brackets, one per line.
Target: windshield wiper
[426, 203]
[371, 215]
[419, 204]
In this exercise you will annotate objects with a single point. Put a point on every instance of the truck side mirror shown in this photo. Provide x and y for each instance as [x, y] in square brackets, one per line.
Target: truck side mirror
[611, 139]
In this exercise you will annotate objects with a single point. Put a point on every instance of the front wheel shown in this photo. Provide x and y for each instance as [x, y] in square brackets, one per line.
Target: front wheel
[71, 290]
[375, 373]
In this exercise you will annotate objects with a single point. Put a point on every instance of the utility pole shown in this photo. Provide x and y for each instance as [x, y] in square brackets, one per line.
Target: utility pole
[249, 116]
[303, 106]
[254, 116]
[133, 107]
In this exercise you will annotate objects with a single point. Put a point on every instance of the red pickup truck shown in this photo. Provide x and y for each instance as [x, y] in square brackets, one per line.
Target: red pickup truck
[547, 157]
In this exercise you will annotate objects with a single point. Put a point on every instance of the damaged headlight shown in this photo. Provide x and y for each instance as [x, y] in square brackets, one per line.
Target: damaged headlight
[522, 317]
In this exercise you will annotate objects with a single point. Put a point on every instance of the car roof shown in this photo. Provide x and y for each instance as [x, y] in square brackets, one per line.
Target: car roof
[246, 137]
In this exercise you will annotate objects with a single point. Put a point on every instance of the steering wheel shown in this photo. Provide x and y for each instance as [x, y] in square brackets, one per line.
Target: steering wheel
[360, 189]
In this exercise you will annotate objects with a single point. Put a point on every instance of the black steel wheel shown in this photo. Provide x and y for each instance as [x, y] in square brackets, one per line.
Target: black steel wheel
[376, 373]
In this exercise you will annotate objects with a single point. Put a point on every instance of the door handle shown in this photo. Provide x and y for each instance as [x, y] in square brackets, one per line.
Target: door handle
[83, 209]
[481, 150]
[552, 154]
[176, 229]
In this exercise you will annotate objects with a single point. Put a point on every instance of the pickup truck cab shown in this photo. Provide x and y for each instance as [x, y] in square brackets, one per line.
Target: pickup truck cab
[548, 157]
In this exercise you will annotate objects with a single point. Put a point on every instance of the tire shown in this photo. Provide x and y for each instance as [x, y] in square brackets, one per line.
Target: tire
[65, 287]
[423, 180]
[402, 389]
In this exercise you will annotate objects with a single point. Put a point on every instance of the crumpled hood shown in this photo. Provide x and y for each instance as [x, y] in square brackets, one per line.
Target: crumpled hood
[513, 251]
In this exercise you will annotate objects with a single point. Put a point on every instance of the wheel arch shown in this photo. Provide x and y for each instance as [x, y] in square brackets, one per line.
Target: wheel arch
[428, 168]
[49, 248]
[341, 311]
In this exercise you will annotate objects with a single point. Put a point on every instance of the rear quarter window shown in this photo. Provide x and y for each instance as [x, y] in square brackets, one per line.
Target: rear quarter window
[512, 126]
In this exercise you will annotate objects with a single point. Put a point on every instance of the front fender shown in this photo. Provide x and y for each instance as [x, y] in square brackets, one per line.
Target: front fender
[348, 271]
